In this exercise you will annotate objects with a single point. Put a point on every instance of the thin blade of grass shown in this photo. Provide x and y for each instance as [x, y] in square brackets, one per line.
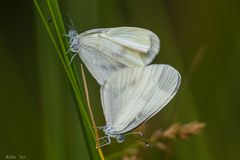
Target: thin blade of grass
[91, 114]
[60, 47]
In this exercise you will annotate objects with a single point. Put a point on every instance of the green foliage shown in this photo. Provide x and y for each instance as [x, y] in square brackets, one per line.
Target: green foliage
[59, 44]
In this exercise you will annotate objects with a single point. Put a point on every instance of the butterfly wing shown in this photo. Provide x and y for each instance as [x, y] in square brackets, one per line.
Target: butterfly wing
[133, 95]
[128, 46]
[98, 64]
[145, 43]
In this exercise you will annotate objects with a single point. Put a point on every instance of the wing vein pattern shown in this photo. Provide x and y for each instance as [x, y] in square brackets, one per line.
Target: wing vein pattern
[133, 95]
[107, 50]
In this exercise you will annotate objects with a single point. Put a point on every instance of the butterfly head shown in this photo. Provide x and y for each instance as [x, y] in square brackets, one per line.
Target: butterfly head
[112, 133]
[73, 40]
[72, 34]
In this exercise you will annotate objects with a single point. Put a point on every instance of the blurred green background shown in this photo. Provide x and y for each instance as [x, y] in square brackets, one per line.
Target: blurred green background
[200, 38]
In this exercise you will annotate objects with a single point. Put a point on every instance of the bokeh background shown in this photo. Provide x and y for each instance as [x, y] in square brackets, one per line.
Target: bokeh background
[200, 38]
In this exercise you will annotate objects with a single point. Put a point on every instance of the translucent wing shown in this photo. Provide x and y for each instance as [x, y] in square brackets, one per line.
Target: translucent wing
[98, 64]
[138, 39]
[133, 95]
[122, 46]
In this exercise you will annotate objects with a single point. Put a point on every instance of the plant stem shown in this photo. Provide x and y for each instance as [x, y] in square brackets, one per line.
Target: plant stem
[61, 51]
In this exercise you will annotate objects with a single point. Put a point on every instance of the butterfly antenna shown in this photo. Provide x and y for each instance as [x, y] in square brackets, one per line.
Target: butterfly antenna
[71, 21]
[68, 50]
[143, 141]
[68, 26]
[100, 127]
[65, 35]
[139, 133]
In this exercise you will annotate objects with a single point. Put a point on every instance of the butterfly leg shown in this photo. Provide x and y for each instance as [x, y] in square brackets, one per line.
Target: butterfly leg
[65, 35]
[71, 21]
[68, 51]
[72, 58]
[102, 139]
[100, 127]
[105, 141]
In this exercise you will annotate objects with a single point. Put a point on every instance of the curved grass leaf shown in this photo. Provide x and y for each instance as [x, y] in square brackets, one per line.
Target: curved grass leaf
[59, 43]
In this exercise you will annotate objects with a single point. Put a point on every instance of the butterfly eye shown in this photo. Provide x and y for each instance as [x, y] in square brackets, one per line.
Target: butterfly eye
[120, 138]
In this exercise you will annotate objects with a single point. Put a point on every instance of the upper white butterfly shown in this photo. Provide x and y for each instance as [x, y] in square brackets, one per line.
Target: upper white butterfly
[107, 50]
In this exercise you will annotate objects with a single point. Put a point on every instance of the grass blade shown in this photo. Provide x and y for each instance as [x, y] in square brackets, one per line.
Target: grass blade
[59, 44]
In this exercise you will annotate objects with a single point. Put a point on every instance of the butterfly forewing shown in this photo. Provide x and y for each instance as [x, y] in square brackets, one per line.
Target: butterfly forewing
[128, 46]
[138, 39]
[133, 95]
[98, 64]
[114, 51]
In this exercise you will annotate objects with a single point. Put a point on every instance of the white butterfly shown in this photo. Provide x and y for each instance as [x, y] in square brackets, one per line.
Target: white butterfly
[131, 96]
[107, 50]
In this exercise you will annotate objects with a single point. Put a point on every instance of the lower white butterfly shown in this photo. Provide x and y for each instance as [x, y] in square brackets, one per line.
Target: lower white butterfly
[131, 96]
[106, 50]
